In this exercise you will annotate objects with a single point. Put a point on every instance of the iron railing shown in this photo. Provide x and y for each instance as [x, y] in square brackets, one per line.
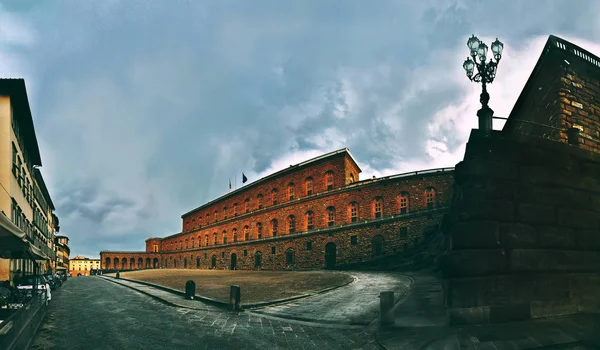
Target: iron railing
[19, 328]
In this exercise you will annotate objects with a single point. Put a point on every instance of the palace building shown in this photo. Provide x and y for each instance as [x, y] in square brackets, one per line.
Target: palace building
[312, 215]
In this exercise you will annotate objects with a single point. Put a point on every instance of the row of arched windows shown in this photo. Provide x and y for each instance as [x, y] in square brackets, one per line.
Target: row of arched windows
[332, 217]
[290, 195]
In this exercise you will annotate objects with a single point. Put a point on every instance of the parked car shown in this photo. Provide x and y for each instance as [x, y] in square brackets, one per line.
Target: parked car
[27, 282]
[53, 281]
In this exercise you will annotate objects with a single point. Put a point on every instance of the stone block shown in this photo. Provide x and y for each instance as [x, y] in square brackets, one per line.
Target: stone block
[553, 308]
[587, 239]
[548, 287]
[492, 290]
[507, 313]
[518, 235]
[490, 189]
[536, 213]
[475, 234]
[530, 260]
[556, 237]
[487, 169]
[538, 175]
[469, 316]
[465, 263]
[493, 210]
[584, 219]
[590, 168]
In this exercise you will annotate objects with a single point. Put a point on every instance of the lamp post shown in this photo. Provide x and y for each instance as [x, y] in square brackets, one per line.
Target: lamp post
[486, 72]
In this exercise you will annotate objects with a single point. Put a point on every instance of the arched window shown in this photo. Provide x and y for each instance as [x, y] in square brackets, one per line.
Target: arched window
[247, 205]
[192, 242]
[430, 197]
[309, 186]
[309, 220]
[206, 240]
[198, 262]
[246, 235]
[216, 218]
[259, 230]
[180, 245]
[274, 196]
[234, 235]
[329, 180]
[291, 224]
[291, 191]
[353, 212]
[289, 257]
[215, 236]
[199, 241]
[378, 207]
[403, 202]
[224, 213]
[186, 243]
[235, 209]
[330, 216]
[224, 237]
[274, 227]
[351, 178]
[259, 201]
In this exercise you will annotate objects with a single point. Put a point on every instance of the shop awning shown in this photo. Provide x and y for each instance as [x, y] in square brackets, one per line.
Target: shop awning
[13, 243]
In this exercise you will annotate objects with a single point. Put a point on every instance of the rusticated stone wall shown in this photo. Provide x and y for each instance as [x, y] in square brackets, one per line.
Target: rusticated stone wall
[523, 231]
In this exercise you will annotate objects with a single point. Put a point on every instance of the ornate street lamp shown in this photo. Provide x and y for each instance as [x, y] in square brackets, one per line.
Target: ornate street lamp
[486, 72]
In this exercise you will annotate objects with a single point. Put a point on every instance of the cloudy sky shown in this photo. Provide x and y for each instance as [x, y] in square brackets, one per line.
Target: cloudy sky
[145, 109]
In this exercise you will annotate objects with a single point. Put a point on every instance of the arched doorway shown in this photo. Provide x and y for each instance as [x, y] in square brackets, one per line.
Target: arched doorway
[107, 266]
[156, 263]
[330, 252]
[147, 263]
[116, 263]
[214, 262]
[124, 264]
[233, 261]
[132, 263]
[257, 259]
[175, 263]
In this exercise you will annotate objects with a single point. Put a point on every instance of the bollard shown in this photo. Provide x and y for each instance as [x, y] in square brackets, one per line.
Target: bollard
[190, 289]
[234, 298]
[118, 274]
[386, 304]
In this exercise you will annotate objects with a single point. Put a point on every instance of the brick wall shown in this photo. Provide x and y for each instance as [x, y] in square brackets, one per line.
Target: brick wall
[524, 231]
[340, 164]
[419, 220]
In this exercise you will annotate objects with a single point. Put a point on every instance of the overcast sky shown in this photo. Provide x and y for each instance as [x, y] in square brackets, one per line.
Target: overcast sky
[145, 109]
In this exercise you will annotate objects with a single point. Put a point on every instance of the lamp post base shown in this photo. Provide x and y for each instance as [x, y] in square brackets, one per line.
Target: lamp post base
[485, 115]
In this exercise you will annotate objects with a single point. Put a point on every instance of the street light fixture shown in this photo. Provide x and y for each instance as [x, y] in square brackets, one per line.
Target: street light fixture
[486, 72]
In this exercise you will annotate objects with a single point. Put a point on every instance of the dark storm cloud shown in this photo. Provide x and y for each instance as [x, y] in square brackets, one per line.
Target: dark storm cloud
[145, 110]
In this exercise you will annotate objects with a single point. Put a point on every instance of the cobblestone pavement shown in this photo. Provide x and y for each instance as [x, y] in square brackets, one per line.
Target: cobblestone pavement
[91, 313]
[355, 304]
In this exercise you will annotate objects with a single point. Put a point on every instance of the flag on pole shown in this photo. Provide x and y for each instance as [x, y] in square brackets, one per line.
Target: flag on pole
[229, 183]
[244, 178]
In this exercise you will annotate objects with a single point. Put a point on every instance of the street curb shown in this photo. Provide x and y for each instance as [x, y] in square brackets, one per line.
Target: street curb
[295, 318]
[113, 280]
[242, 306]
[175, 291]
[301, 296]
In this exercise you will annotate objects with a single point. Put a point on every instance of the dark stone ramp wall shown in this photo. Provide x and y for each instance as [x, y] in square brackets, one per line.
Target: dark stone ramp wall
[523, 231]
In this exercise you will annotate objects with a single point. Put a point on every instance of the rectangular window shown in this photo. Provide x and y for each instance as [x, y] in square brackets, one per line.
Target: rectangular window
[378, 209]
[272, 250]
[403, 232]
[222, 254]
[309, 188]
[15, 167]
[260, 203]
[291, 192]
[235, 210]
[353, 240]
[354, 214]
[247, 206]
[309, 222]
[245, 252]
[403, 205]
[308, 245]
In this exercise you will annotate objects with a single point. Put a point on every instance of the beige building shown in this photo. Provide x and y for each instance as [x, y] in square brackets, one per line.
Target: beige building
[82, 265]
[24, 199]
[62, 253]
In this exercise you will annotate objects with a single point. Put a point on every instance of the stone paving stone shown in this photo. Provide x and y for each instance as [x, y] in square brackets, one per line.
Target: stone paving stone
[357, 303]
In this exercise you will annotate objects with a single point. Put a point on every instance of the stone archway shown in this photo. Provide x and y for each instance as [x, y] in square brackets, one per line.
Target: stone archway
[233, 261]
[214, 262]
[155, 263]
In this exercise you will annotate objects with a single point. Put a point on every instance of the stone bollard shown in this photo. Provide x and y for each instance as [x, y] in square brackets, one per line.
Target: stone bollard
[190, 289]
[386, 304]
[118, 274]
[234, 298]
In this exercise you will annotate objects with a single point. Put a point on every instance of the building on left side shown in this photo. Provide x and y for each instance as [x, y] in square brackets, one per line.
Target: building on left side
[27, 221]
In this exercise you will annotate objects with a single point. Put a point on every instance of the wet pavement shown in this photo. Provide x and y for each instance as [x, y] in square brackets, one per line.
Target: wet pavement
[92, 313]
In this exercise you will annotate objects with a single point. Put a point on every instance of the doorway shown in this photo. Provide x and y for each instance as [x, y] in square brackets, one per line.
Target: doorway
[330, 252]
[233, 261]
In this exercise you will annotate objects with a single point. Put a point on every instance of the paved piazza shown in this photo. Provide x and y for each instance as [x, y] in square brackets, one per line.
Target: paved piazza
[91, 312]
